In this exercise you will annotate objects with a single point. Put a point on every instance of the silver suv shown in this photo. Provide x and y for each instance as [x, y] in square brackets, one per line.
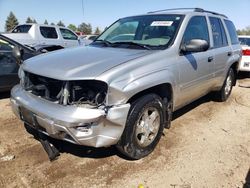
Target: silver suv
[123, 88]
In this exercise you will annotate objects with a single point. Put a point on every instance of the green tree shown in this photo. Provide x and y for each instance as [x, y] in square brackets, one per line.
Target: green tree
[245, 31]
[85, 28]
[34, 21]
[29, 20]
[52, 23]
[97, 31]
[60, 23]
[72, 27]
[11, 22]
[46, 22]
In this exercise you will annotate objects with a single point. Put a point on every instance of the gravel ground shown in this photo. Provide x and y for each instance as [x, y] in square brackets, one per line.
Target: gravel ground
[208, 145]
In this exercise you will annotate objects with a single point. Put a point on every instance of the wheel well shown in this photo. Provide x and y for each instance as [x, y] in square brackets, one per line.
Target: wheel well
[163, 90]
[234, 66]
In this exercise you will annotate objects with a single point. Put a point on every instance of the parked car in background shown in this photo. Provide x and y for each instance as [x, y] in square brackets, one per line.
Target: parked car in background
[87, 39]
[245, 61]
[12, 54]
[124, 92]
[39, 34]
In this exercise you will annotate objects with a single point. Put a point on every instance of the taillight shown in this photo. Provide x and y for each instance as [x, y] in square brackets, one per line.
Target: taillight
[246, 52]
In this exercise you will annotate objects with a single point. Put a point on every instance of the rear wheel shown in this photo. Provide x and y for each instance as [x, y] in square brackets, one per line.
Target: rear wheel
[144, 127]
[226, 89]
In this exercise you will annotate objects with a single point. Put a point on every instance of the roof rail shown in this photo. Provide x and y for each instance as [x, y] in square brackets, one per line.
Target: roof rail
[211, 12]
[173, 9]
[193, 9]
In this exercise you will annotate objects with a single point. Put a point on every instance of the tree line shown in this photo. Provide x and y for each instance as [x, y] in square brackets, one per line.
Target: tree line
[245, 31]
[85, 28]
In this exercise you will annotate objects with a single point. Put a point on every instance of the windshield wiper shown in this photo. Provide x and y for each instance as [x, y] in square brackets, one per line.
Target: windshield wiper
[106, 42]
[133, 43]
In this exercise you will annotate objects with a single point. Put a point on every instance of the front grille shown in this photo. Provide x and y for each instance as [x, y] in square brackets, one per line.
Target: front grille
[75, 92]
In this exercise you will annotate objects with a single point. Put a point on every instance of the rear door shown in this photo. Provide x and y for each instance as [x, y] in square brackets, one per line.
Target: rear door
[221, 49]
[49, 36]
[8, 66]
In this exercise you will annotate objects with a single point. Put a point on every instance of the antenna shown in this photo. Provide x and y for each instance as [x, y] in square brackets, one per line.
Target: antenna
[83, 9]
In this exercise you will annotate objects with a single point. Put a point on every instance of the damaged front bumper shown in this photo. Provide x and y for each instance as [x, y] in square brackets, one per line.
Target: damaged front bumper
[90, 127]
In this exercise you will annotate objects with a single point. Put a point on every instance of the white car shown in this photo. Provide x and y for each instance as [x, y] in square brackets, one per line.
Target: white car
[39, 34]
[245, 61]
[87, 39]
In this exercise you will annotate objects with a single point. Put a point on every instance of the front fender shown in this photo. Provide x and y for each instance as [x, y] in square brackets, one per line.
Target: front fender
[120, 94]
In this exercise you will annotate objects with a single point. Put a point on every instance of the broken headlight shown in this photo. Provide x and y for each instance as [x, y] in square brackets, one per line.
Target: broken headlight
[91, 92]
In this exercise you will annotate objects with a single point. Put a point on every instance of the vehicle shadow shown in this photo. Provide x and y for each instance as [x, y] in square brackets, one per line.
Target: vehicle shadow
[247, 182]
[243, 75]
[4, 95]
[193, 105]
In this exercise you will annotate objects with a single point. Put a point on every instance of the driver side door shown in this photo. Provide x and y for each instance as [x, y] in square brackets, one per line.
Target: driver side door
[195, 69]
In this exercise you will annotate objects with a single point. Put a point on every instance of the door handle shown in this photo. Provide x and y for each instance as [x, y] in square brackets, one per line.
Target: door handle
[229, 53]
[210, 59]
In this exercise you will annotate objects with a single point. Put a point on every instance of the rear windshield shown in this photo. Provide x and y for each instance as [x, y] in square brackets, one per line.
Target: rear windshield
[244, 41]
[21, 29]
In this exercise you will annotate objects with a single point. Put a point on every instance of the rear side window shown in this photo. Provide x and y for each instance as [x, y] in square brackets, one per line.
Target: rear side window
[21, 29]
[219, 35]
[48, 32]
[67, 34]
[232, 31]
[196, 29]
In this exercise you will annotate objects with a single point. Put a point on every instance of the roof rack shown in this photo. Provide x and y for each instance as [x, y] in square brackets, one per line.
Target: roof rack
[194, 9]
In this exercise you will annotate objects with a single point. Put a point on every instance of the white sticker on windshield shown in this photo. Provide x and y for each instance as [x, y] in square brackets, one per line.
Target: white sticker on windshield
[161, 23]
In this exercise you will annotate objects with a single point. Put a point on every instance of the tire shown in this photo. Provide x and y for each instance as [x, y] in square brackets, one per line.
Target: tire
[226, 89]
[144, 127]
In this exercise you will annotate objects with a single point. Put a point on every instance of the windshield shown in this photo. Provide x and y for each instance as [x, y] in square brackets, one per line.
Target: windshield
[244, 41]
[154, 31]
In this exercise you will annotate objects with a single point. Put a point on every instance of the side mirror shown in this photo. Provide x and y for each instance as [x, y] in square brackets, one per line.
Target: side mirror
[18, 54]
[195, 45]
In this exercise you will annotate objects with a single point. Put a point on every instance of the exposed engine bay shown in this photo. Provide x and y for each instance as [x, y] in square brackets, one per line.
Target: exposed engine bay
[90, 93]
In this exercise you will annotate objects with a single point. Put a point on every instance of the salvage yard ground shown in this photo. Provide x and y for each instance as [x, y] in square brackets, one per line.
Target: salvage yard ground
[208, 145]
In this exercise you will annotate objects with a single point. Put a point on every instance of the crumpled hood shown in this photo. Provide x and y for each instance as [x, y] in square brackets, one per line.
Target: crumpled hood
[80, 62]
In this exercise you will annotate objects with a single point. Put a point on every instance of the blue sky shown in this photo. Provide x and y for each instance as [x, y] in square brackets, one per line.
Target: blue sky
[104, 12]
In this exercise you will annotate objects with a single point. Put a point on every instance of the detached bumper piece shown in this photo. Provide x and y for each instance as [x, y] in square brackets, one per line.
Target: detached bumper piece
[50, 149]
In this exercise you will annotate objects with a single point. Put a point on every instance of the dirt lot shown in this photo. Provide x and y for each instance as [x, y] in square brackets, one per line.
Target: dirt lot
[208, 145]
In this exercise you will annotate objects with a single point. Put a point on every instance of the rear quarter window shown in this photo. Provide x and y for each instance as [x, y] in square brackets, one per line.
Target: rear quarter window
[21, 29]
[48, 32]
[232, 31]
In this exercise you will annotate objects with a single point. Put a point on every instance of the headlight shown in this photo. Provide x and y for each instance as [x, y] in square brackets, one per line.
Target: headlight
[21, 75]
[92, 92]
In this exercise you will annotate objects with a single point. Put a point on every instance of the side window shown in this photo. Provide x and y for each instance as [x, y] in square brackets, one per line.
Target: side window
[196, 29]
[48, 32]
[67, 34]
[232, 31]
[219, 35]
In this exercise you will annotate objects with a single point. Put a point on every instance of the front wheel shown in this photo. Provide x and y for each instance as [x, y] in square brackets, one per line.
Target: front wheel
[226, 89]
[143, 128]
